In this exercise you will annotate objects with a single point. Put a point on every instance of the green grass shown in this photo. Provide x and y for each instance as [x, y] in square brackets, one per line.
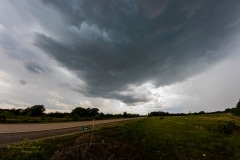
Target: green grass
[189, 137]
[183, 137]
[37, 150]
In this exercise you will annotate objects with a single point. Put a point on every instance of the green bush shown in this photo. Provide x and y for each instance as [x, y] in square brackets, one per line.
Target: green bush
[230, 128]
[76, 117]
[236, 111]
[3, 117]
[98, 117]
[227, 128]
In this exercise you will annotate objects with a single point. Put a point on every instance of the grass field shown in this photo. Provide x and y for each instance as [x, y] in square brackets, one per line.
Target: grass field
[184, 137]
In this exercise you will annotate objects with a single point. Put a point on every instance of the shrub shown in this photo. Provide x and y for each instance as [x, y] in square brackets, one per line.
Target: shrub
[3, 117]
[76, 117]
[230, 127]
[236, 111]
[227, 128]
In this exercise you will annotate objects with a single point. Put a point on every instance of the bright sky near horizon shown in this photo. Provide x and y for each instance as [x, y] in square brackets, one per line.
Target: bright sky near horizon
[130, 55]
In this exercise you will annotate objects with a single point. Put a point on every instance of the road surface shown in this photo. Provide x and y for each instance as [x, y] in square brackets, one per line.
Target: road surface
[12, 133]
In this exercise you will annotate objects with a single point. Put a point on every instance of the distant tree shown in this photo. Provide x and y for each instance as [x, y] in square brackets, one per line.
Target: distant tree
[227, 110]
[76, 117]
[37, 110]
[101, 114]
[201, 112]
[159, 113]
[34, 111]
[236, 110]
[93, 112]
[3, 116]
[26, 111]
[57, 114]
[108, 115]
[82, 112]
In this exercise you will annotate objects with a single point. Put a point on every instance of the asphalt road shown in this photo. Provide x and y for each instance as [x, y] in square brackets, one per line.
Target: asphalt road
[13, 133]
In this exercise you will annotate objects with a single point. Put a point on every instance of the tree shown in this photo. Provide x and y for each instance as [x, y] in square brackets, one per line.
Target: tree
[159, 113]
[76, 117]
[82, 112]
[236, 111]
[201, 112]
[125, 114]
[3, 116]
[37, 110]
[34, 111]
[26, 111]
[93, 112]
[227, 110]
[57, 114]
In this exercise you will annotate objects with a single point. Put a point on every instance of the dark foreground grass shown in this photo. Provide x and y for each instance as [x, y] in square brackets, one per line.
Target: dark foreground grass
[185, 137]
[37, 150]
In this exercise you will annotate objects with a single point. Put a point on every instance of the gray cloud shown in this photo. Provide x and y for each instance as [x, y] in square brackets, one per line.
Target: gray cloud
[215, 89]
[17, 105]
[22, 82]
[36, 68]
[134, 95]
[7, 41]
[113, 44]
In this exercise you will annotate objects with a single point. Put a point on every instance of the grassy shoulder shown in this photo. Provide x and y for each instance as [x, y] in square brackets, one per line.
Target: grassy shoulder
[182, 137]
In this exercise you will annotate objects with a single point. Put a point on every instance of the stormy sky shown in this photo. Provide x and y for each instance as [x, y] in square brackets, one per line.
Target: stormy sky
[120, 55]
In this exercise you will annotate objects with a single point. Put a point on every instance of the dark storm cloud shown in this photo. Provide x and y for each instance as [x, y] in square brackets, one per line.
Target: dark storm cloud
[113, 44]
[36, 68]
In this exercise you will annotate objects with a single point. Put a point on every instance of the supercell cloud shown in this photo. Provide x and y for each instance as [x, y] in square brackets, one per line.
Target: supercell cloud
[114, 47]
[114, 44]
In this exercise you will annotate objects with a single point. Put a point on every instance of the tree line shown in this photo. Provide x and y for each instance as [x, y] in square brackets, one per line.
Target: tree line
[78, 113]
[161, 113]
[234, 111]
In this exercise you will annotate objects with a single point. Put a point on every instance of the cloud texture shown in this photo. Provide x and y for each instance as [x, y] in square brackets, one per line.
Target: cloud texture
[115, 44]
[114, 49]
